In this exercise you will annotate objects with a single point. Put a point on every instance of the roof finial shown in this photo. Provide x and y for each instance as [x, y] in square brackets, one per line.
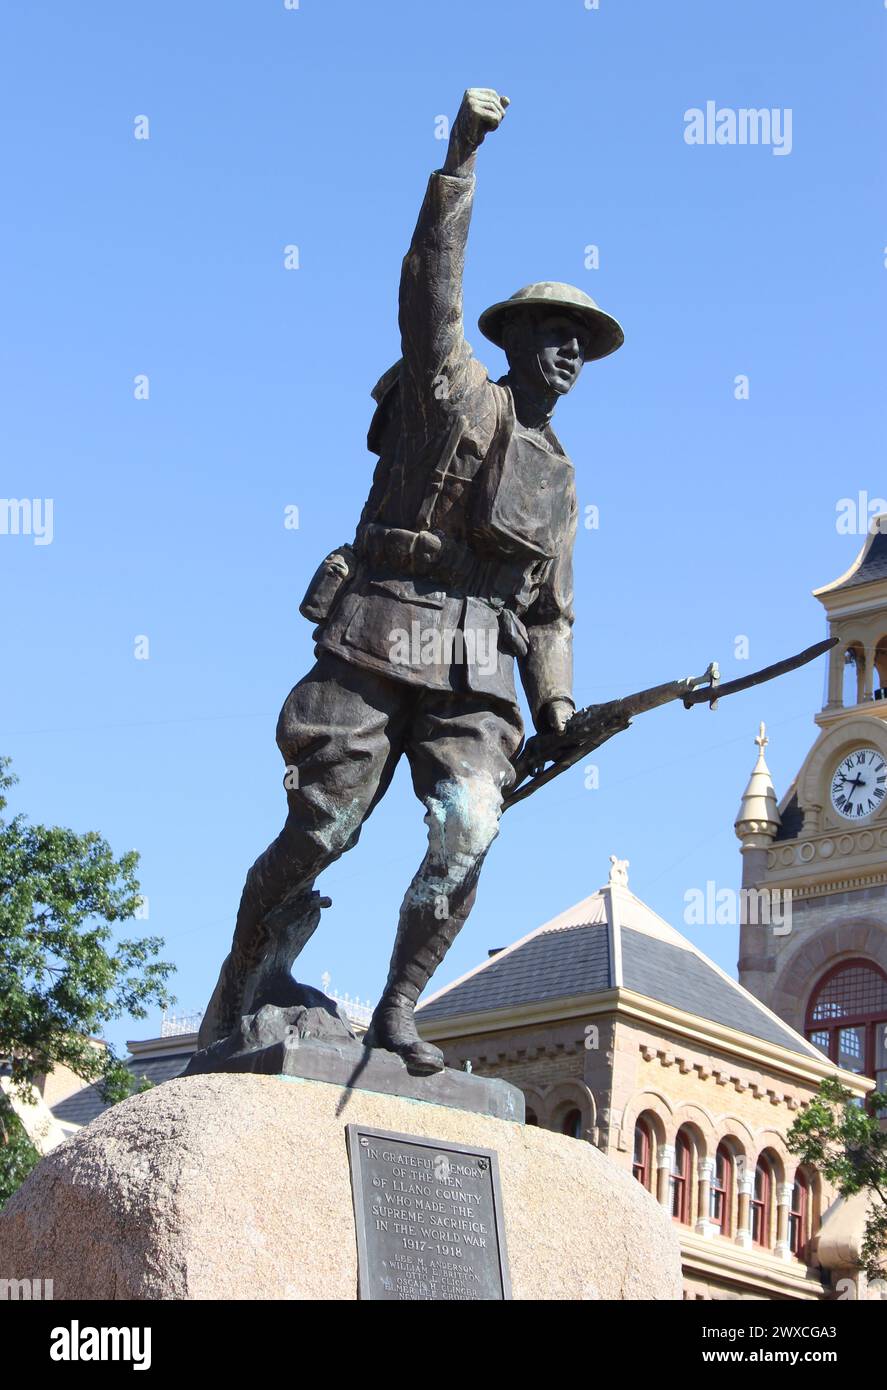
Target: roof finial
[618, 872]
[762, 740]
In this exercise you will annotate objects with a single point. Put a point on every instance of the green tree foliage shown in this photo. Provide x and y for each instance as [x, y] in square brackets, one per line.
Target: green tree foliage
[847, 1143]
[63, 976]
[17, 1154]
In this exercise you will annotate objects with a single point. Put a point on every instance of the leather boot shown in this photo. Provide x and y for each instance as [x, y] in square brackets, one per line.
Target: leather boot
[419, 948]
[393, 1027]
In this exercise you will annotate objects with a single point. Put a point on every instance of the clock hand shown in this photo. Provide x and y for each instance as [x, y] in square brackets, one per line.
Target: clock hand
[855, 783]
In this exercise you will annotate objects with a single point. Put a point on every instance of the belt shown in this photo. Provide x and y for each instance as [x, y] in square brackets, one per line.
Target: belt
[397, 553]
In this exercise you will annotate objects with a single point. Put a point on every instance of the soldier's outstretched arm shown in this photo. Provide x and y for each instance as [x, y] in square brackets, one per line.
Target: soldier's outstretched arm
[431, 328]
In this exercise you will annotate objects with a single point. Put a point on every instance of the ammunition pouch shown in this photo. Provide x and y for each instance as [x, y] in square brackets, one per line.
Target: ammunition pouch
[328, 584]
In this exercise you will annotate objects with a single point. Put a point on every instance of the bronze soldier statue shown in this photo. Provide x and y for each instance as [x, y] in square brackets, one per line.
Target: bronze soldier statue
[461, 564]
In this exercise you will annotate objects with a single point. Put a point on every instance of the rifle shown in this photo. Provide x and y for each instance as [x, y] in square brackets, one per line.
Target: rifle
[588, 728]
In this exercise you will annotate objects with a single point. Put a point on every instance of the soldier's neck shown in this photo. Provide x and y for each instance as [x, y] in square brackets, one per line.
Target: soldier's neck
[533, 406]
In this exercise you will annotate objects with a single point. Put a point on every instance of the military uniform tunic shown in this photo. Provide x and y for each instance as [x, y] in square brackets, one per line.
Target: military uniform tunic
[441, 427]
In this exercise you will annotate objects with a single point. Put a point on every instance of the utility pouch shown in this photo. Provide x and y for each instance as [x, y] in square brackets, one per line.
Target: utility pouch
[327, 584]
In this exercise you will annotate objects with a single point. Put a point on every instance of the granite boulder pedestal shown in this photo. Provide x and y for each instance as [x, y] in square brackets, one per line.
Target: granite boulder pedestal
[238, 1186]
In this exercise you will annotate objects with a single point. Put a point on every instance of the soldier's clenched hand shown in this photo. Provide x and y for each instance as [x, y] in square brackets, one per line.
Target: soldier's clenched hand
[555, 716]
[481, 111]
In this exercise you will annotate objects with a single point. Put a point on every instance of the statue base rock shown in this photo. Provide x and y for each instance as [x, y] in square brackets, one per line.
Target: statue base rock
[237, 1186]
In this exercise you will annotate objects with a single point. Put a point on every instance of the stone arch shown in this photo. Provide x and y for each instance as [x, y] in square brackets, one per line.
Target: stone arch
[739, 1140]
[693, 1122]
[535, 1102]
[814, 1180]
[737, 1132]
[854, 670]
[861, 938]
[770, 1160]
[810, 1171]
[689, 1115]
[567, 1096]
[650, 1103]
[772, 1146]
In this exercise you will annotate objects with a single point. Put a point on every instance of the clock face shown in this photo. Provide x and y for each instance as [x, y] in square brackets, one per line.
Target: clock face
[859, 784]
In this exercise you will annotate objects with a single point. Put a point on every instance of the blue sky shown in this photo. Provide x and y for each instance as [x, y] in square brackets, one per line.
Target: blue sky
[315, 127]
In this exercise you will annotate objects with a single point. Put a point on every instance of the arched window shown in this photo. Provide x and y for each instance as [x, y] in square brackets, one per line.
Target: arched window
[761, 1203]
[642, 1161]
[572, 1124]
[854, 674]
[721, 1199]
[681, 1178]
[847, 1018]
[799, 1216]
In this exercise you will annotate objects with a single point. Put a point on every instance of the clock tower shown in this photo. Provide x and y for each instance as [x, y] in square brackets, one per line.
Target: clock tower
[813, 939]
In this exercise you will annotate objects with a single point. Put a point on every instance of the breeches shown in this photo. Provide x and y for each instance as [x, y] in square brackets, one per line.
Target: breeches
[342, 732]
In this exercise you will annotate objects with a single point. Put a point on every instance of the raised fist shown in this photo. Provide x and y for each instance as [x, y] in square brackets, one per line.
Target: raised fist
[481, 111]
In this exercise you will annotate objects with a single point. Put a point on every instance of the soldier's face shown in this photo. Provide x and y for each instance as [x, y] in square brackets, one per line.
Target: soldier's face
[553, 343]
[561, 345]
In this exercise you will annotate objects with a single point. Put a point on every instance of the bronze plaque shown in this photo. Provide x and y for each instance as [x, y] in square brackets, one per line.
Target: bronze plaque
[428, 1217]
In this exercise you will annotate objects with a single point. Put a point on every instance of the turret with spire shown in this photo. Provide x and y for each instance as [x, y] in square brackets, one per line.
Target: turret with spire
[758, 818]
[757, 825]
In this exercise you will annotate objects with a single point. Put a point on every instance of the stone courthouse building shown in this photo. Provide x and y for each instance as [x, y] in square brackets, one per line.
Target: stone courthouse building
[620, 1032]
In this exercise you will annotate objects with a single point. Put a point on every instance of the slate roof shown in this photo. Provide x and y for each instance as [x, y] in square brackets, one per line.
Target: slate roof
[869, 565]
[791, 819]
[873, 566]
[611, 940]
[570, 960]
[691, 982]
[84, 1105]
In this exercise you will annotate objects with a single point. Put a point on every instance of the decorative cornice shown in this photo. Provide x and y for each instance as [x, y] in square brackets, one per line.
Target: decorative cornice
[826, 888]
[516, 1050]
[717, 1257]
[826, 845]
[721, 1076]
[809, 1067]
[705, 1034]
[866, 709]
